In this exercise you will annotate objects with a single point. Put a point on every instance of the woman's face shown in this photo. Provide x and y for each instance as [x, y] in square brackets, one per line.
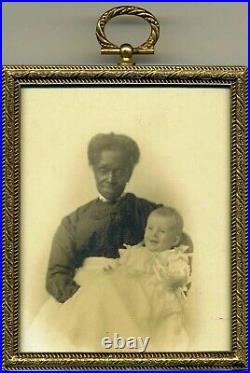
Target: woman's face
[111, 174]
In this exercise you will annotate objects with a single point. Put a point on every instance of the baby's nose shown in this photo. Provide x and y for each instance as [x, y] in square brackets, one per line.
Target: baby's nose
[155, 233]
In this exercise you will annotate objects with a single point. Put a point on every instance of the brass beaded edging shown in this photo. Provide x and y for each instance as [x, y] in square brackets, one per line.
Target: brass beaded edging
[15, 77]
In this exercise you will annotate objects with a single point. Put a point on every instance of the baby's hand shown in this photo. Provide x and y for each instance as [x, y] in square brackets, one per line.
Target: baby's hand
[178, 273]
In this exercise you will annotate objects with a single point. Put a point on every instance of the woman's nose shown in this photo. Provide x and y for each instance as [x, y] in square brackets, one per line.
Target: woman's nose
[110, 176]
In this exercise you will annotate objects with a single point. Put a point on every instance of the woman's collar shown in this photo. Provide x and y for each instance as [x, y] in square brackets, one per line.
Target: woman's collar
[103, 199]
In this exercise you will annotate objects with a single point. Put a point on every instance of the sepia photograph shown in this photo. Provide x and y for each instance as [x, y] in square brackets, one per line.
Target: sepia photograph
[125, 223]
[125, 215]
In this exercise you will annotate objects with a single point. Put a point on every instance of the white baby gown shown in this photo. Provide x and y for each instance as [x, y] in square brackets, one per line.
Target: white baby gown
[141, 294]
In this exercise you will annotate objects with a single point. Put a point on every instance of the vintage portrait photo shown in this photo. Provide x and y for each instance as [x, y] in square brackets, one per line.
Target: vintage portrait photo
[125, 219]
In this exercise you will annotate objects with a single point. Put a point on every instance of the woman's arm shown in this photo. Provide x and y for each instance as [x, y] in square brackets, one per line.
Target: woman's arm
[61, 268]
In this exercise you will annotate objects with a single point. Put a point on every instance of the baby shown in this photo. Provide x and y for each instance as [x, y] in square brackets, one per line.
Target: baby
[162, 234]
[161, 245]
[157, 273]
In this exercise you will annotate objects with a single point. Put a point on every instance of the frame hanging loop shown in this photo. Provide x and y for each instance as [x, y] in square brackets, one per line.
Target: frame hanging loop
[126, 51]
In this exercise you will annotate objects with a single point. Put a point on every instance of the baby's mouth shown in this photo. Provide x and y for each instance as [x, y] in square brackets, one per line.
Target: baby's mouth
[153, 241]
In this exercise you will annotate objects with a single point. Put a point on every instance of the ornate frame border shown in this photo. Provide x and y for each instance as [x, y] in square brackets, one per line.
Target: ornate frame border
[16, 77]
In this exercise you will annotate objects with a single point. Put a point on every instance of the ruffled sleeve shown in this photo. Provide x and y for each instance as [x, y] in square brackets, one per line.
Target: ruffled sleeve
[173, 267]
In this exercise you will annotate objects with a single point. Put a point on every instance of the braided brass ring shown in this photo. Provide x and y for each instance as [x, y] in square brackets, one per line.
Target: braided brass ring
[126, 50]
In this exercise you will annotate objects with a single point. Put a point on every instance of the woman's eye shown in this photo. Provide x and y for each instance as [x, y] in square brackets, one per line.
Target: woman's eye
[102, 170]
[150, 228]
[120, 172]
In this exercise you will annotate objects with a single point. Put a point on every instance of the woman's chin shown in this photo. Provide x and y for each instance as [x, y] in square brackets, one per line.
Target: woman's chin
[111, 196]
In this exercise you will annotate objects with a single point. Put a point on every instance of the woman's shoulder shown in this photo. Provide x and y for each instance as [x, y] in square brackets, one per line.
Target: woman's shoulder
[73, 218]
[140, 202]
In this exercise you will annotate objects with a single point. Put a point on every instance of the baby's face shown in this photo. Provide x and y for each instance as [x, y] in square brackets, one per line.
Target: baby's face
[160, 233]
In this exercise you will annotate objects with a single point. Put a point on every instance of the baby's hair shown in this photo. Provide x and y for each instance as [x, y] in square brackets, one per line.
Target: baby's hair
[112, 141]
[171, 212]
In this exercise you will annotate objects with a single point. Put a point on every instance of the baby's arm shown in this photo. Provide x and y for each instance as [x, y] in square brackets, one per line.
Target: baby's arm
[178, 273]
[175, 272]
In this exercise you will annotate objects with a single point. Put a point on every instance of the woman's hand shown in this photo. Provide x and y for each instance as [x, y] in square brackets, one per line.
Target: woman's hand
[110, 266]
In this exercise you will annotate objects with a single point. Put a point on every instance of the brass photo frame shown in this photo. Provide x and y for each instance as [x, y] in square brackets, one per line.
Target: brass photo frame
[17, 79]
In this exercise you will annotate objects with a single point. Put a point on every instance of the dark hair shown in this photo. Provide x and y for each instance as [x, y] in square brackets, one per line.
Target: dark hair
[171, 212]
[112, 141]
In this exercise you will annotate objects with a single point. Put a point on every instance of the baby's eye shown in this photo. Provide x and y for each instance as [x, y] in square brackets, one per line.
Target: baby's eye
[163, 231]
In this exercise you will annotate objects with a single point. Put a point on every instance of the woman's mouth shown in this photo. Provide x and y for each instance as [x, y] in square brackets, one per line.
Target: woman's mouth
[109, 185]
